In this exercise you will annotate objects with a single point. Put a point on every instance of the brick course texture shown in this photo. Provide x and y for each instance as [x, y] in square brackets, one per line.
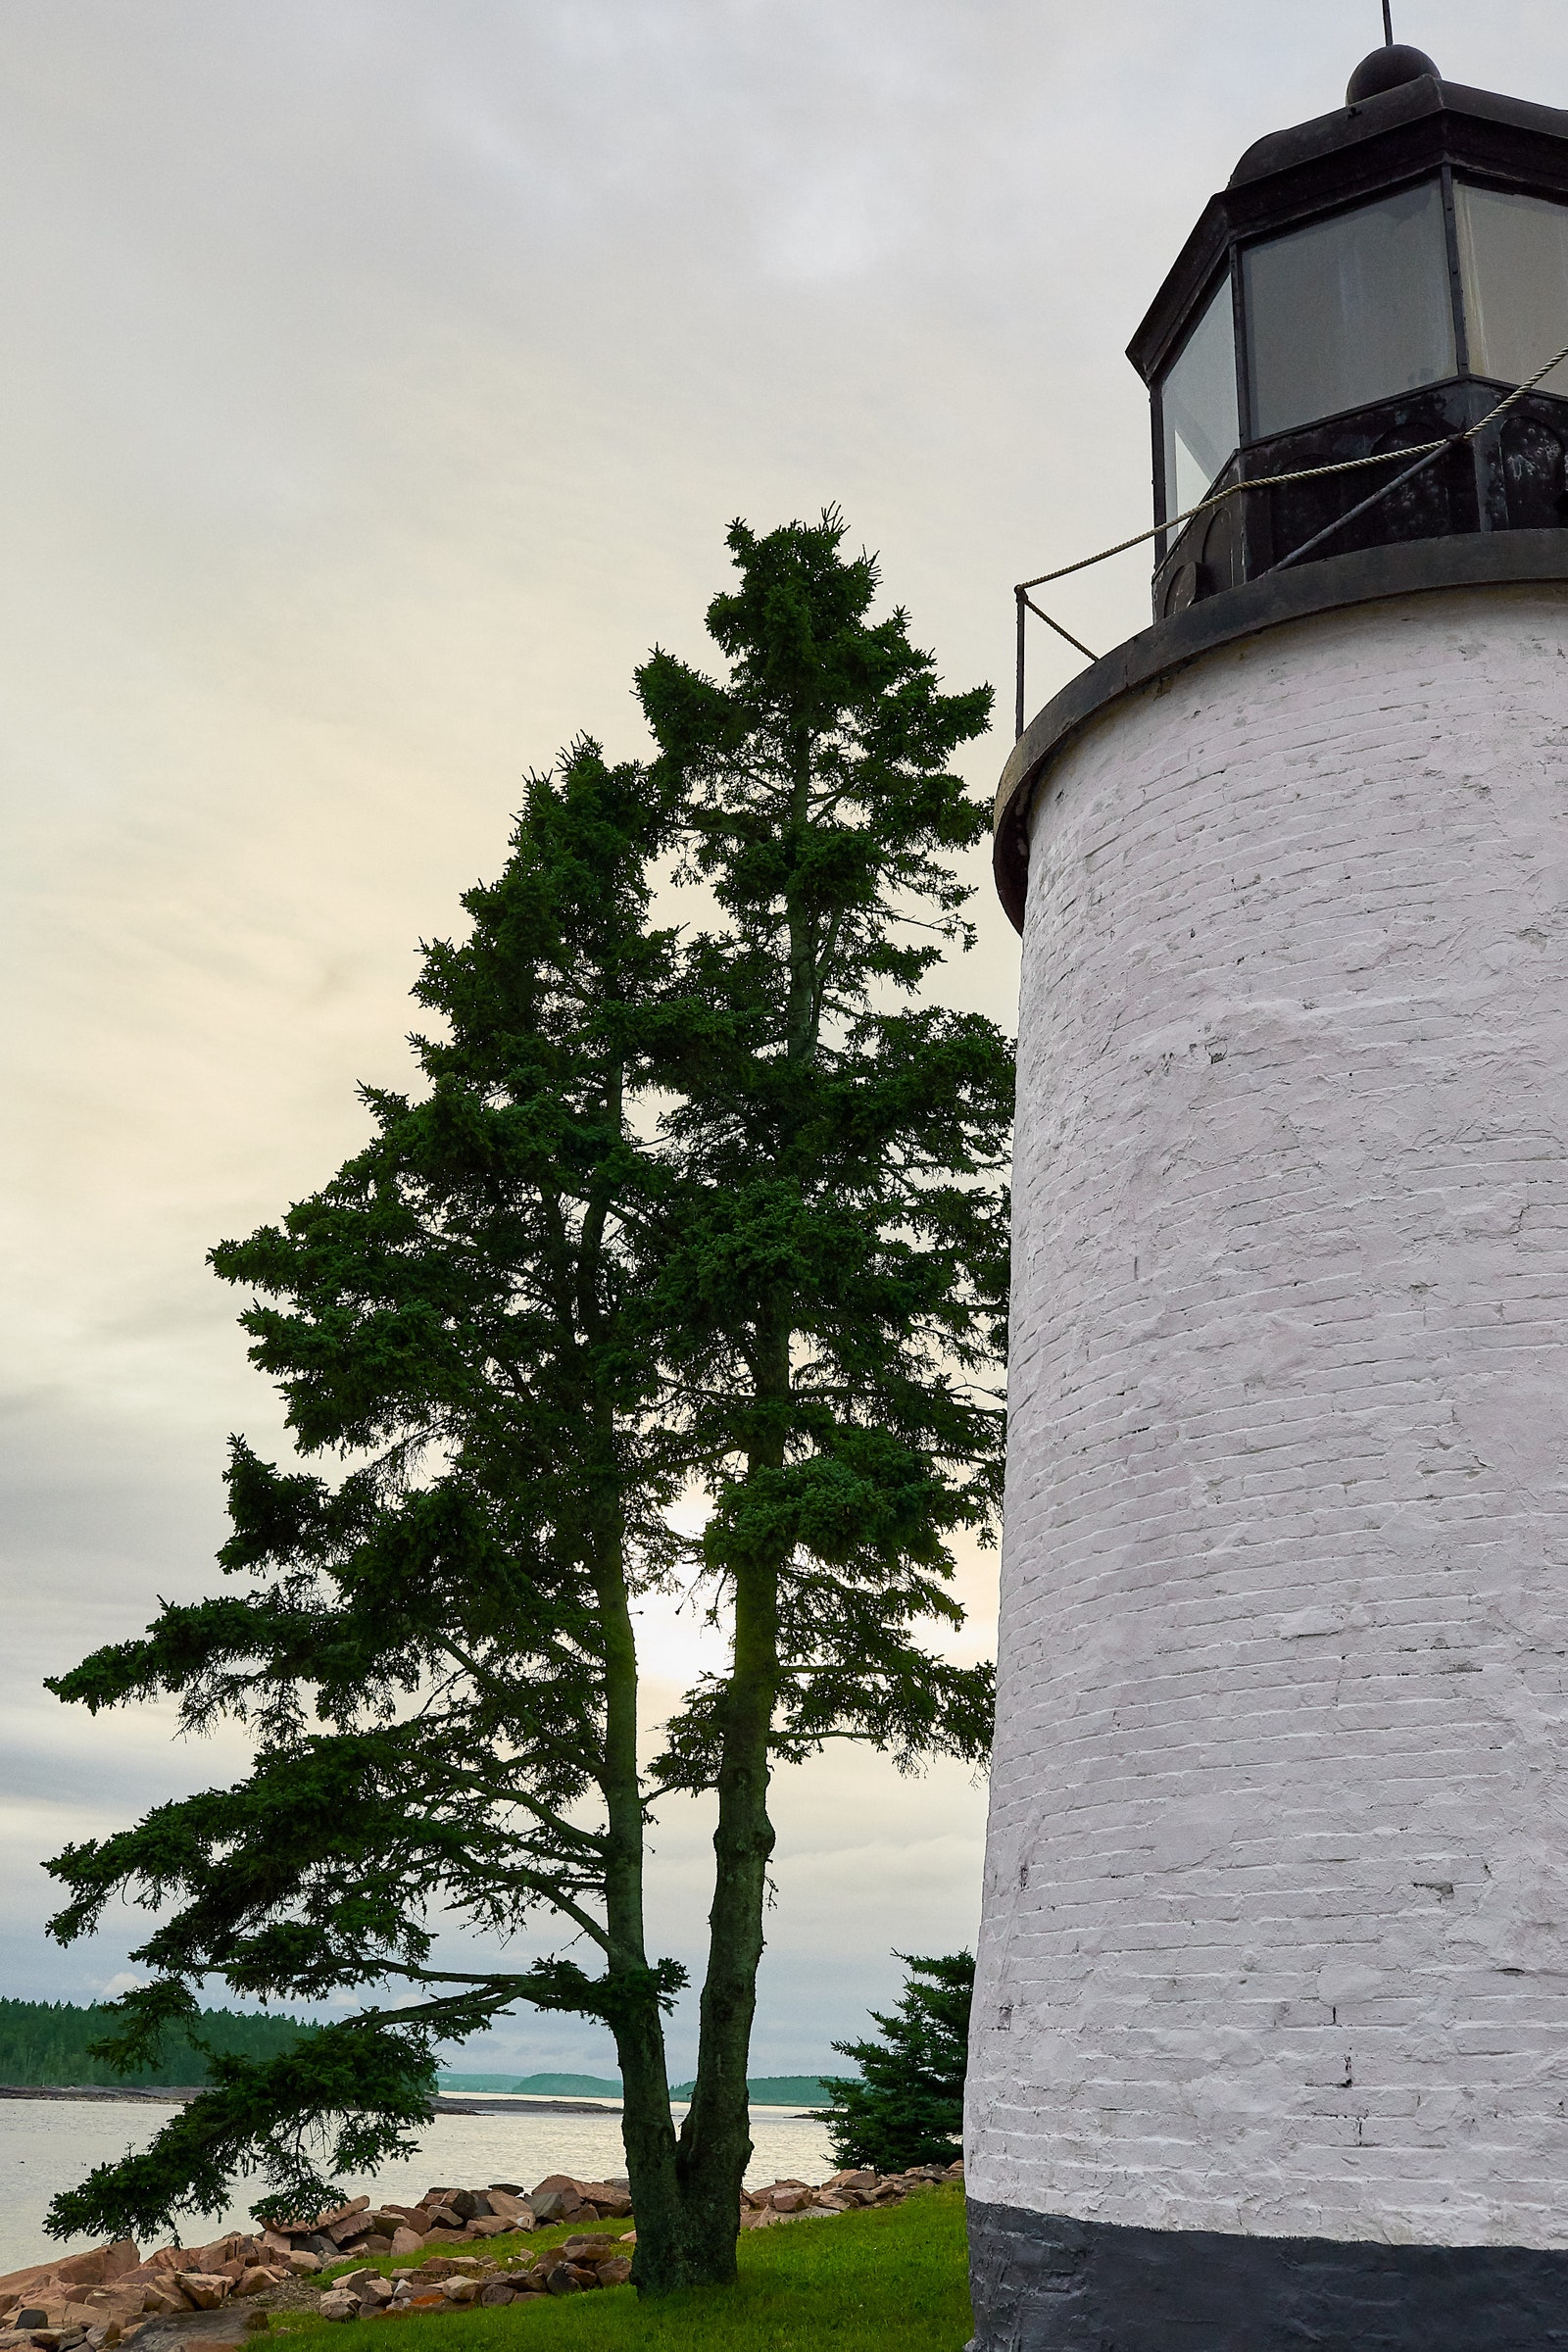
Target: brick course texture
[1275, 1935]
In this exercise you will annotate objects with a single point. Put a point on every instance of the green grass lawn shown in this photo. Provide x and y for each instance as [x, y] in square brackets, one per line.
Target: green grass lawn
[894, 2279]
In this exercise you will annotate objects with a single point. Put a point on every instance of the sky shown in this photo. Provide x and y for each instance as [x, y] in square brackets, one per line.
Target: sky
[381, 379]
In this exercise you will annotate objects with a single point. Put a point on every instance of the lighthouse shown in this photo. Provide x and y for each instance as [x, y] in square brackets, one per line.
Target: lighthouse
[1270, 2041]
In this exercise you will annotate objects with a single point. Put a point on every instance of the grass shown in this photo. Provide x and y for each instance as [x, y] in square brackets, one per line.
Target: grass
[892, 2277]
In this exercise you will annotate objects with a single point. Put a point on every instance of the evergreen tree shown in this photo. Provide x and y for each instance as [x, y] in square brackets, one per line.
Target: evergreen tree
[907, 2105]
[714, 1209]
[436, 1653]
[832, 1300]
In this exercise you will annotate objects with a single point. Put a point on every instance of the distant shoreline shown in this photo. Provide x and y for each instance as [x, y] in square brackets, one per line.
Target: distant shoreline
[174, 2095]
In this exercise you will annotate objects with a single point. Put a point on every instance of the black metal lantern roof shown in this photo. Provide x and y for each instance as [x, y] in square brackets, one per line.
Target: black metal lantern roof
[1384, 141]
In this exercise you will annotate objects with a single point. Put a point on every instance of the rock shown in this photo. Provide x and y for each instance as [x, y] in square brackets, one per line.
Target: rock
[462, 2290]
[96, 2267]
[338, 2213]
[616, 2272]
[205, 2288]
[350, 2230]
[213, 2257]
[612, 2198]
[301, 2264]
[593, 2248]
[495, 2293]
[378, 2242]
[335, 2305]
[32, 2315]
[790, 2200]
[564, 2280]
[550, 2204]
[406, 2240]
[430, 2273]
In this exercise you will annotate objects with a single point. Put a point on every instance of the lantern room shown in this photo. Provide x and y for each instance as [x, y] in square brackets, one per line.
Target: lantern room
[1367, 284]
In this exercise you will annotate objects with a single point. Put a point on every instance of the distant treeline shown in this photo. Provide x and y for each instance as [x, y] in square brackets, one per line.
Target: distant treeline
[556, 2087]
[773, 2091]
[46, 2041]
[766, 2090]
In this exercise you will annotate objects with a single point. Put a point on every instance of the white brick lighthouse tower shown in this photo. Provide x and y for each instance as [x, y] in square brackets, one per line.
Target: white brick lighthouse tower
[1271, 2023]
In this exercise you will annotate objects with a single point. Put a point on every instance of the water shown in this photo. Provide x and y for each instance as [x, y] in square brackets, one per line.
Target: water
[50, 2145]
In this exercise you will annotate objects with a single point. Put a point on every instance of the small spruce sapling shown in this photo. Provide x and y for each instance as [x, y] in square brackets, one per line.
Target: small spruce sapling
[906, 2106]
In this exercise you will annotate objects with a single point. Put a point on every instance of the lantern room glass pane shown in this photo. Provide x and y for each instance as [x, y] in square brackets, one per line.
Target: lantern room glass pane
[1351, 310]
[1513, 257]
[1198, 406]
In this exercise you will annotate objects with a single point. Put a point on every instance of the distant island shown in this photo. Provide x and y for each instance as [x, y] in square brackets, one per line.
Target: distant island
[46, 2042]
[766, 2090]
[773, 2091]
[554, 2086]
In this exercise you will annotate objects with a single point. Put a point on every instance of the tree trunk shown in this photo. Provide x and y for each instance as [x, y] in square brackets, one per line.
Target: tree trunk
[659, 2259]
[715, 2140]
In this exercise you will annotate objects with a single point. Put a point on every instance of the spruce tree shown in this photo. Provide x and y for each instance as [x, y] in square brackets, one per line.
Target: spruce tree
[717, 1209]
[435, 1652]
[832, 1299]
[905, 2107]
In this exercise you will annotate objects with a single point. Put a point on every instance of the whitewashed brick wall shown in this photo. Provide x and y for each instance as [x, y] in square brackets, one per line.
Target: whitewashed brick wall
[1276, 1926]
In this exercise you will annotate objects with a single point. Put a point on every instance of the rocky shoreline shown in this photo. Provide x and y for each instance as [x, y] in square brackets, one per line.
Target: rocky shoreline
[224, 2291]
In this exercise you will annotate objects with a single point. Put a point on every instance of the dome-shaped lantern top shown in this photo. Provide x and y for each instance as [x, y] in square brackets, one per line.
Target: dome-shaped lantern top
[1367, 284]
[1388, 68]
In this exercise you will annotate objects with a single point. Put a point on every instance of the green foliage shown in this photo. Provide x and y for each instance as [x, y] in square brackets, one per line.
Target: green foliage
[716, 1210]
[907, 2105]
[55, 2041]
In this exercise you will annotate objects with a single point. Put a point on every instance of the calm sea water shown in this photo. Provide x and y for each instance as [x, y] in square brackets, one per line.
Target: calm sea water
[50, 2145]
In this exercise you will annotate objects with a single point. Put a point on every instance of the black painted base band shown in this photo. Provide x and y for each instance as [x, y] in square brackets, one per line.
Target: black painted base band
[1042, 2284]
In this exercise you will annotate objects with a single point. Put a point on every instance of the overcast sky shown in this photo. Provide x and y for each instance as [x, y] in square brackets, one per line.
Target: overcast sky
[380, 377]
